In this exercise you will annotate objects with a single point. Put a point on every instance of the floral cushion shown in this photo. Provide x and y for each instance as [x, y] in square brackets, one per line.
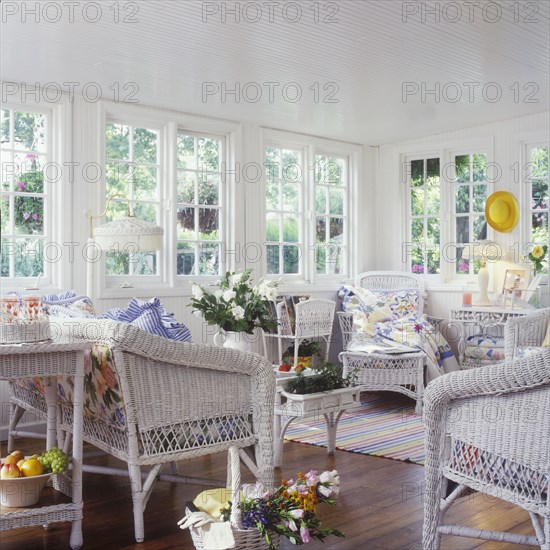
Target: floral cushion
[402, 303]
[526, 351]
[360, 300]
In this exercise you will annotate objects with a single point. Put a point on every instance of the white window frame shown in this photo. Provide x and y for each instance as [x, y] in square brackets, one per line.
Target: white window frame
[167, 282]
[313, 146]
[58, 183]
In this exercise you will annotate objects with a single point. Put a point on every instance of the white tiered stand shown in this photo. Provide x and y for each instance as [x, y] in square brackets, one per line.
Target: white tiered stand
[49, 359]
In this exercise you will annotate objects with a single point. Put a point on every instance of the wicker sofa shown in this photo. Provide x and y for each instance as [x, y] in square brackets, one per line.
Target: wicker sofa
[150, 401]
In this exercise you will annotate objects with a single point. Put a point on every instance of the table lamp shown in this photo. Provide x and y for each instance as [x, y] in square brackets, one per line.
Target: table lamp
[483, 250]
[127, 231]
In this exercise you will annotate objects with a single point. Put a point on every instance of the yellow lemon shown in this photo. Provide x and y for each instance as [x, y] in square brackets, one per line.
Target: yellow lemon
[31, 467]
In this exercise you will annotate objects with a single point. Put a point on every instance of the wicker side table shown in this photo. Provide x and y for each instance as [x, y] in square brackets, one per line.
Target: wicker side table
[49, 359]
[403, 373]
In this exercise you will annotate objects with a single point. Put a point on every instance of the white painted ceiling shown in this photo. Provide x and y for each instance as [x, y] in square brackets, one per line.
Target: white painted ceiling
[369, 52]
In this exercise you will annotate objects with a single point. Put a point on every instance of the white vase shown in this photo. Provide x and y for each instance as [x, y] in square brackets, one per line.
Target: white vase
[234, 340]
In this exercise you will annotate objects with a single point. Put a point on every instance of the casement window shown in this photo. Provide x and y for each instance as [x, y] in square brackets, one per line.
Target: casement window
[469, 183]
[424, 200]
[307, 227]
[200, 214]
[133, 171]
[25, 194]
[537, 184]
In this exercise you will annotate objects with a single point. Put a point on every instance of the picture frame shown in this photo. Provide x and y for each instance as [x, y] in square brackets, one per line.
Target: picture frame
[515, 281]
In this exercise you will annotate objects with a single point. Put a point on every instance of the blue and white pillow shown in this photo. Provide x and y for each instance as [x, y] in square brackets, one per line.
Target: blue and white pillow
[68, 304]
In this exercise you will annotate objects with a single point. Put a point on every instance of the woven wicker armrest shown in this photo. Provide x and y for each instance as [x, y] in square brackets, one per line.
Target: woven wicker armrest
[525, 331]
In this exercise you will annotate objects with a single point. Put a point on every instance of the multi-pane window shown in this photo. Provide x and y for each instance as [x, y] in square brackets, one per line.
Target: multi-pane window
[133, 171]
[284, 210]
[24, 199]
[469, 196]
[330, 207]
[199, 205]
[538, 184]
[423, 249]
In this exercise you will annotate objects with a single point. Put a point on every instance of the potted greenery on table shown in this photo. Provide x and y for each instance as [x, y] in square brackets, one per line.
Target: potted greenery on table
[307, 350]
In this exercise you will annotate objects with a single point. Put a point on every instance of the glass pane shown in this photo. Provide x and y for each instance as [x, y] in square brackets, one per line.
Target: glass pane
[208, 154]
[539, 162]
[209, 186]
[4, 214]
[417, 229]
[291, 259]
[272, 195]
[144, 263]
[480, 228]
[186, 187]
[186, 152]
[117, 179]
[462, 199]
[272, 164]
[5, 126]
[9, 168]
[320, 164]
[539, 194]
[321, 200]
[320, 257]
[186, 259]
[462, 266]
[28, 257]
[292, 170]
[321, 229]
[147, 212]
[290, 229]
[539, 232]
[336, 229]
[432, 171]
[417, 259]
[209, 259]
[117, 209]
[462, 168]
[417, 173]
[31, 178]
[433, 261]
[117, 141]
[479, 167]
[117, 263]
[145, 145]
[29, 131]
[209, 222]
[291, 193]
[417, 202]
[462, 230]
[433, 232]
[29, 215]
[336, 197]
[186, 224]
[272, 227]
[480, 197]
[330, 170]
[6, 252]
[145, 183]
[433, 201]
[272, 253]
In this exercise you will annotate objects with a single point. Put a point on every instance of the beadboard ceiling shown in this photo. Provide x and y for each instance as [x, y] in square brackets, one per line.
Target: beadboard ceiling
[368, 53]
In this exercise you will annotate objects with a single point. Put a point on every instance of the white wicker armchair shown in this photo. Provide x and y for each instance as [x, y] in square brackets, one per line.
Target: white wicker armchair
[179, 401]
[381, 280]
[488, 429]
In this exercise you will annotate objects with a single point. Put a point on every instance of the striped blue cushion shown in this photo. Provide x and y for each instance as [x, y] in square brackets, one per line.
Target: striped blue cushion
[151, 317]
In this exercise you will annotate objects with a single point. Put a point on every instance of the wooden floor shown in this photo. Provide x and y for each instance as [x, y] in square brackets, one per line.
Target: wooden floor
[380, 506]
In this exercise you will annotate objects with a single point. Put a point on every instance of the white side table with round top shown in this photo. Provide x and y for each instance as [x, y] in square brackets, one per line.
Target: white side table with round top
[48, 360]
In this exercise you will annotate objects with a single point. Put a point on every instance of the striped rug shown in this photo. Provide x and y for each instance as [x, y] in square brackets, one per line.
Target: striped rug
[385, 425]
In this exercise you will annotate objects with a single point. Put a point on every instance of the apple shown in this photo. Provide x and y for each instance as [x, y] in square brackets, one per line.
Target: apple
[9, 471]
[285, 367]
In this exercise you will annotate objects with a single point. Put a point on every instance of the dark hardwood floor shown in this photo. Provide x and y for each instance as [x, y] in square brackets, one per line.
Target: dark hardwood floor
[380, 506]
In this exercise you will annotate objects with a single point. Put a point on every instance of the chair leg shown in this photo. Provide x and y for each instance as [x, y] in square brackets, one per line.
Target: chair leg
[433, 515]
[137, 498]
[16, 412]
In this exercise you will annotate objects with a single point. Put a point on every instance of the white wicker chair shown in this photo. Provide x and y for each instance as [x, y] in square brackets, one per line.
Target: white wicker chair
[488, 429]
[171, 392]
[381, 280]
[314, 320]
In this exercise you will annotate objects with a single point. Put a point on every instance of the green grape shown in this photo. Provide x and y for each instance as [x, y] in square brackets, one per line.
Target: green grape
[55, 460]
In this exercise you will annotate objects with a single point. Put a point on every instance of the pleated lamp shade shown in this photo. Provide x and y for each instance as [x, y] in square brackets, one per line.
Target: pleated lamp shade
[129, 234]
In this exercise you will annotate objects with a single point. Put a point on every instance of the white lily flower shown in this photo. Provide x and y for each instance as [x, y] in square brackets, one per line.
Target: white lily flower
[238, 312]
[197, 292]
[228, 295]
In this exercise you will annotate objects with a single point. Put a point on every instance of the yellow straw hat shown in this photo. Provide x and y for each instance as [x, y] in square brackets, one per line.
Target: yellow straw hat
[502, 211]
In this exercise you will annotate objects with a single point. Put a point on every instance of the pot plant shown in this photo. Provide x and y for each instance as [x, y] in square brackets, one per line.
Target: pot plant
[306, 351]
[326, 377]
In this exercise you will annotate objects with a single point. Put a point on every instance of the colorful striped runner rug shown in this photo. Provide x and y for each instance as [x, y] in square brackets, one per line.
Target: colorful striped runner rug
[385, 426]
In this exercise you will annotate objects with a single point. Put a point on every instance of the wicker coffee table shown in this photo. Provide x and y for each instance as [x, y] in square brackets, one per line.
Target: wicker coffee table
[49, 359]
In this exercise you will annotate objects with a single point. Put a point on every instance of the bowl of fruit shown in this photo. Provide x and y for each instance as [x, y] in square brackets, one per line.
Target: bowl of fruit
[23, 478]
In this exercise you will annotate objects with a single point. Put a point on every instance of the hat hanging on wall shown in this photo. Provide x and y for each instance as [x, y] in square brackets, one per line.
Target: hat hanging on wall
[502, 211]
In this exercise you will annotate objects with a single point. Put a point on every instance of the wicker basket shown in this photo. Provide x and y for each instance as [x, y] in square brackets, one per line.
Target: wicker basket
[21, 332]
[245, 539]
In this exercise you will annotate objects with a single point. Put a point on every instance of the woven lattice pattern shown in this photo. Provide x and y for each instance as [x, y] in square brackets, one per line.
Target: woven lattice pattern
[488, 429]
[525, 331]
